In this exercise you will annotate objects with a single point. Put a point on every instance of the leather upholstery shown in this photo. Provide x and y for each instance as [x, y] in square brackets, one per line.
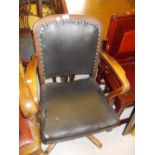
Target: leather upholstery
[25, 136]
[74, 109]
[68, 46]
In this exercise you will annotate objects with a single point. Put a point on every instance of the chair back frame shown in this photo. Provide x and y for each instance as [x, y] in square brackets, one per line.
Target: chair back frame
[72, 18]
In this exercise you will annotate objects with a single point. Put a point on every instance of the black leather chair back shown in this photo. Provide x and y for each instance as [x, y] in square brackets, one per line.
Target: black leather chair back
[67, 45]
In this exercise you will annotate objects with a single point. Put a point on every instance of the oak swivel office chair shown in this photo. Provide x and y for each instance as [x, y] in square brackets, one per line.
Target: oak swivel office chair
[68, 45]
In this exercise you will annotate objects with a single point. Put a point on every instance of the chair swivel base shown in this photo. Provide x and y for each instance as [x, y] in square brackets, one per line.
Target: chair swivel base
[92, 138]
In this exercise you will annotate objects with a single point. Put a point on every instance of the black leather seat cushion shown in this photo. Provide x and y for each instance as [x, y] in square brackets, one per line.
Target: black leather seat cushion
[74, 109]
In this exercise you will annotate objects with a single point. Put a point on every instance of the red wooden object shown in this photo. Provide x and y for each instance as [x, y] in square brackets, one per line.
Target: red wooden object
[120, 44]
[25, 136]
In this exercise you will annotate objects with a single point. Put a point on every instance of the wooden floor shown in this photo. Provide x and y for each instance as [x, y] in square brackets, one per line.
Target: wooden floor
[105, 9]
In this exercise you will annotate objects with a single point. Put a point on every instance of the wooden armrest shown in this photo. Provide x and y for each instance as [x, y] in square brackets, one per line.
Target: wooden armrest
[26, 102]
[31, 76]
[120, 73]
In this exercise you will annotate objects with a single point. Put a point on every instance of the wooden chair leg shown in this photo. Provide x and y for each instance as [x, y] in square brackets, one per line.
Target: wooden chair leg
[119, 112]
[40, 152]
[130, 125]
[95, 141]
[49, 148]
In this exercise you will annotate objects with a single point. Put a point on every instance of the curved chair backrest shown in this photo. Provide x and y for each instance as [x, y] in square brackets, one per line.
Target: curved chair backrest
[67, 44]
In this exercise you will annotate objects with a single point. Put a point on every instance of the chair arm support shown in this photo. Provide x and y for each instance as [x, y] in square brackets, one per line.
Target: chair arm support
[31, 76]
[26, 102]
[120, 73]
[27, 105]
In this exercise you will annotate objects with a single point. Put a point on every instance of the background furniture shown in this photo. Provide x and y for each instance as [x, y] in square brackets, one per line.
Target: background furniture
[120, 44]
[76, 108]
[59, 6]
[26, 46]
[29, 136]
[39, 8]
